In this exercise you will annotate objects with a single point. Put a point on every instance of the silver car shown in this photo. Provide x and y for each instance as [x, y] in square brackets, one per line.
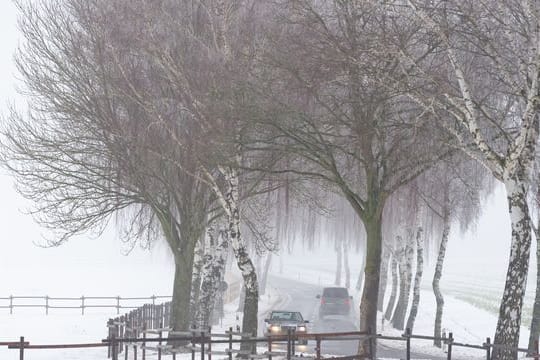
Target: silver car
[334, 301]
[280, 321]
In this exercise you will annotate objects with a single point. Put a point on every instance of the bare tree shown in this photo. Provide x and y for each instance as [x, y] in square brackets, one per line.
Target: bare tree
[84, 151]
[349, 130]
[484, 84]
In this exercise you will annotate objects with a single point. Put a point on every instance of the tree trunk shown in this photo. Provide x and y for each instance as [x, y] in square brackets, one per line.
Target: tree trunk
[346, 266]
[241, 299]
[182, 241]
[383, 282]
[535, 321]
[437, 278]
[249, 275]
[368, 304]
[508, 324]
[266, 269]
[405, 276]
[339, 254]
[360, 280]
[213, 268]
[393, 293]
[180, 313]
[417, 279]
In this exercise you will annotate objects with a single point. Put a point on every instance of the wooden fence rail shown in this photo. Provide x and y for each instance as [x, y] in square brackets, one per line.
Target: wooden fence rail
[207, 344]
[82, 303]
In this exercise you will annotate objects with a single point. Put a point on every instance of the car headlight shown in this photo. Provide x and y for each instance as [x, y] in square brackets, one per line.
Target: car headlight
[275, 328]
[301, 328]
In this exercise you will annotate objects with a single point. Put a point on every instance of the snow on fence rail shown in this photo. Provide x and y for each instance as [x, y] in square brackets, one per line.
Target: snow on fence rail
[207, 344]
[82, 302]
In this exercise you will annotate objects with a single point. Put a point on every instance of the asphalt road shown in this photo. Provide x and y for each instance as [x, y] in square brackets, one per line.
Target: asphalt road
[302, 297]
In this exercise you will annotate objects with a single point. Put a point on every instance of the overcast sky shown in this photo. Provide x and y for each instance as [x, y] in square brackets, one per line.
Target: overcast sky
[40, 269]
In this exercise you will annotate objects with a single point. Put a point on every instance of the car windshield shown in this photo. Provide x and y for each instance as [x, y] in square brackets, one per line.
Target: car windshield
[335, 292]
[286, 315]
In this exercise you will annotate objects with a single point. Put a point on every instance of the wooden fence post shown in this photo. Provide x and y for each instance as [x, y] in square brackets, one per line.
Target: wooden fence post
[408, 337]
[488, 348]
[318, 348]
[114, 350]
[193, 344]
[450, 341]
[288, 344]
[370, 344]
[293, 343]
[118, 305]
[46, 304]
[109, 326]
[209, 343]
[82, 305]
[230, 342]
[10, 304]
[21, 349]
[202, 345]
[144, 342]
[160, 333]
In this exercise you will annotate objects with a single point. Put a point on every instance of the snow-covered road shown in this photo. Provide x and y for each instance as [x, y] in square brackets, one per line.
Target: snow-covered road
[302, 297]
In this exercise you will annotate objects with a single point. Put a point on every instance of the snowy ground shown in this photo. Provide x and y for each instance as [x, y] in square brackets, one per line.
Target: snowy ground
[67, 327]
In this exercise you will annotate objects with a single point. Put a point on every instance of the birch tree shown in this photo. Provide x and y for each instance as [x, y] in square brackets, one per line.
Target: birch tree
[393, 292]
[417, 279]
[451, 192]
[406, 261]
[486, 83]
[535, 321]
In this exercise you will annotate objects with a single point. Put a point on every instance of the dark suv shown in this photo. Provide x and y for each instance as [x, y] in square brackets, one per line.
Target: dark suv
[334, 301]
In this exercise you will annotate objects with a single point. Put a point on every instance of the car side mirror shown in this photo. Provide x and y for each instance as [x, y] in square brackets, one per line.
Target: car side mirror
[266, 320]
[306, 321]
[318, 296]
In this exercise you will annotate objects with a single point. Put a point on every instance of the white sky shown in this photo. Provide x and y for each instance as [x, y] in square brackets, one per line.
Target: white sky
[25, 267]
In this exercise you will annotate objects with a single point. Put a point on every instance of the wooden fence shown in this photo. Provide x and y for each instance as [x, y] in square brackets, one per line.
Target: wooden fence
[208, 344]
[81, 303]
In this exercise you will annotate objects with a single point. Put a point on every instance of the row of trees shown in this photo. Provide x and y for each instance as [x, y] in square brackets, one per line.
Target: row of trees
[184, 117]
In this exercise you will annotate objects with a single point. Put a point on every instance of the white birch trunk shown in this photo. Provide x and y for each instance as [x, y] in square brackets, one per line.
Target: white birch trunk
[339, 254]
[249, 275]
[439, 299]
[535, 321]
[214, 266]
[264, 277]
[393, 292]
[509, 322]
[346, 266]
[383, 282]
[405, 276]
[417, 279]
[360, 280]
